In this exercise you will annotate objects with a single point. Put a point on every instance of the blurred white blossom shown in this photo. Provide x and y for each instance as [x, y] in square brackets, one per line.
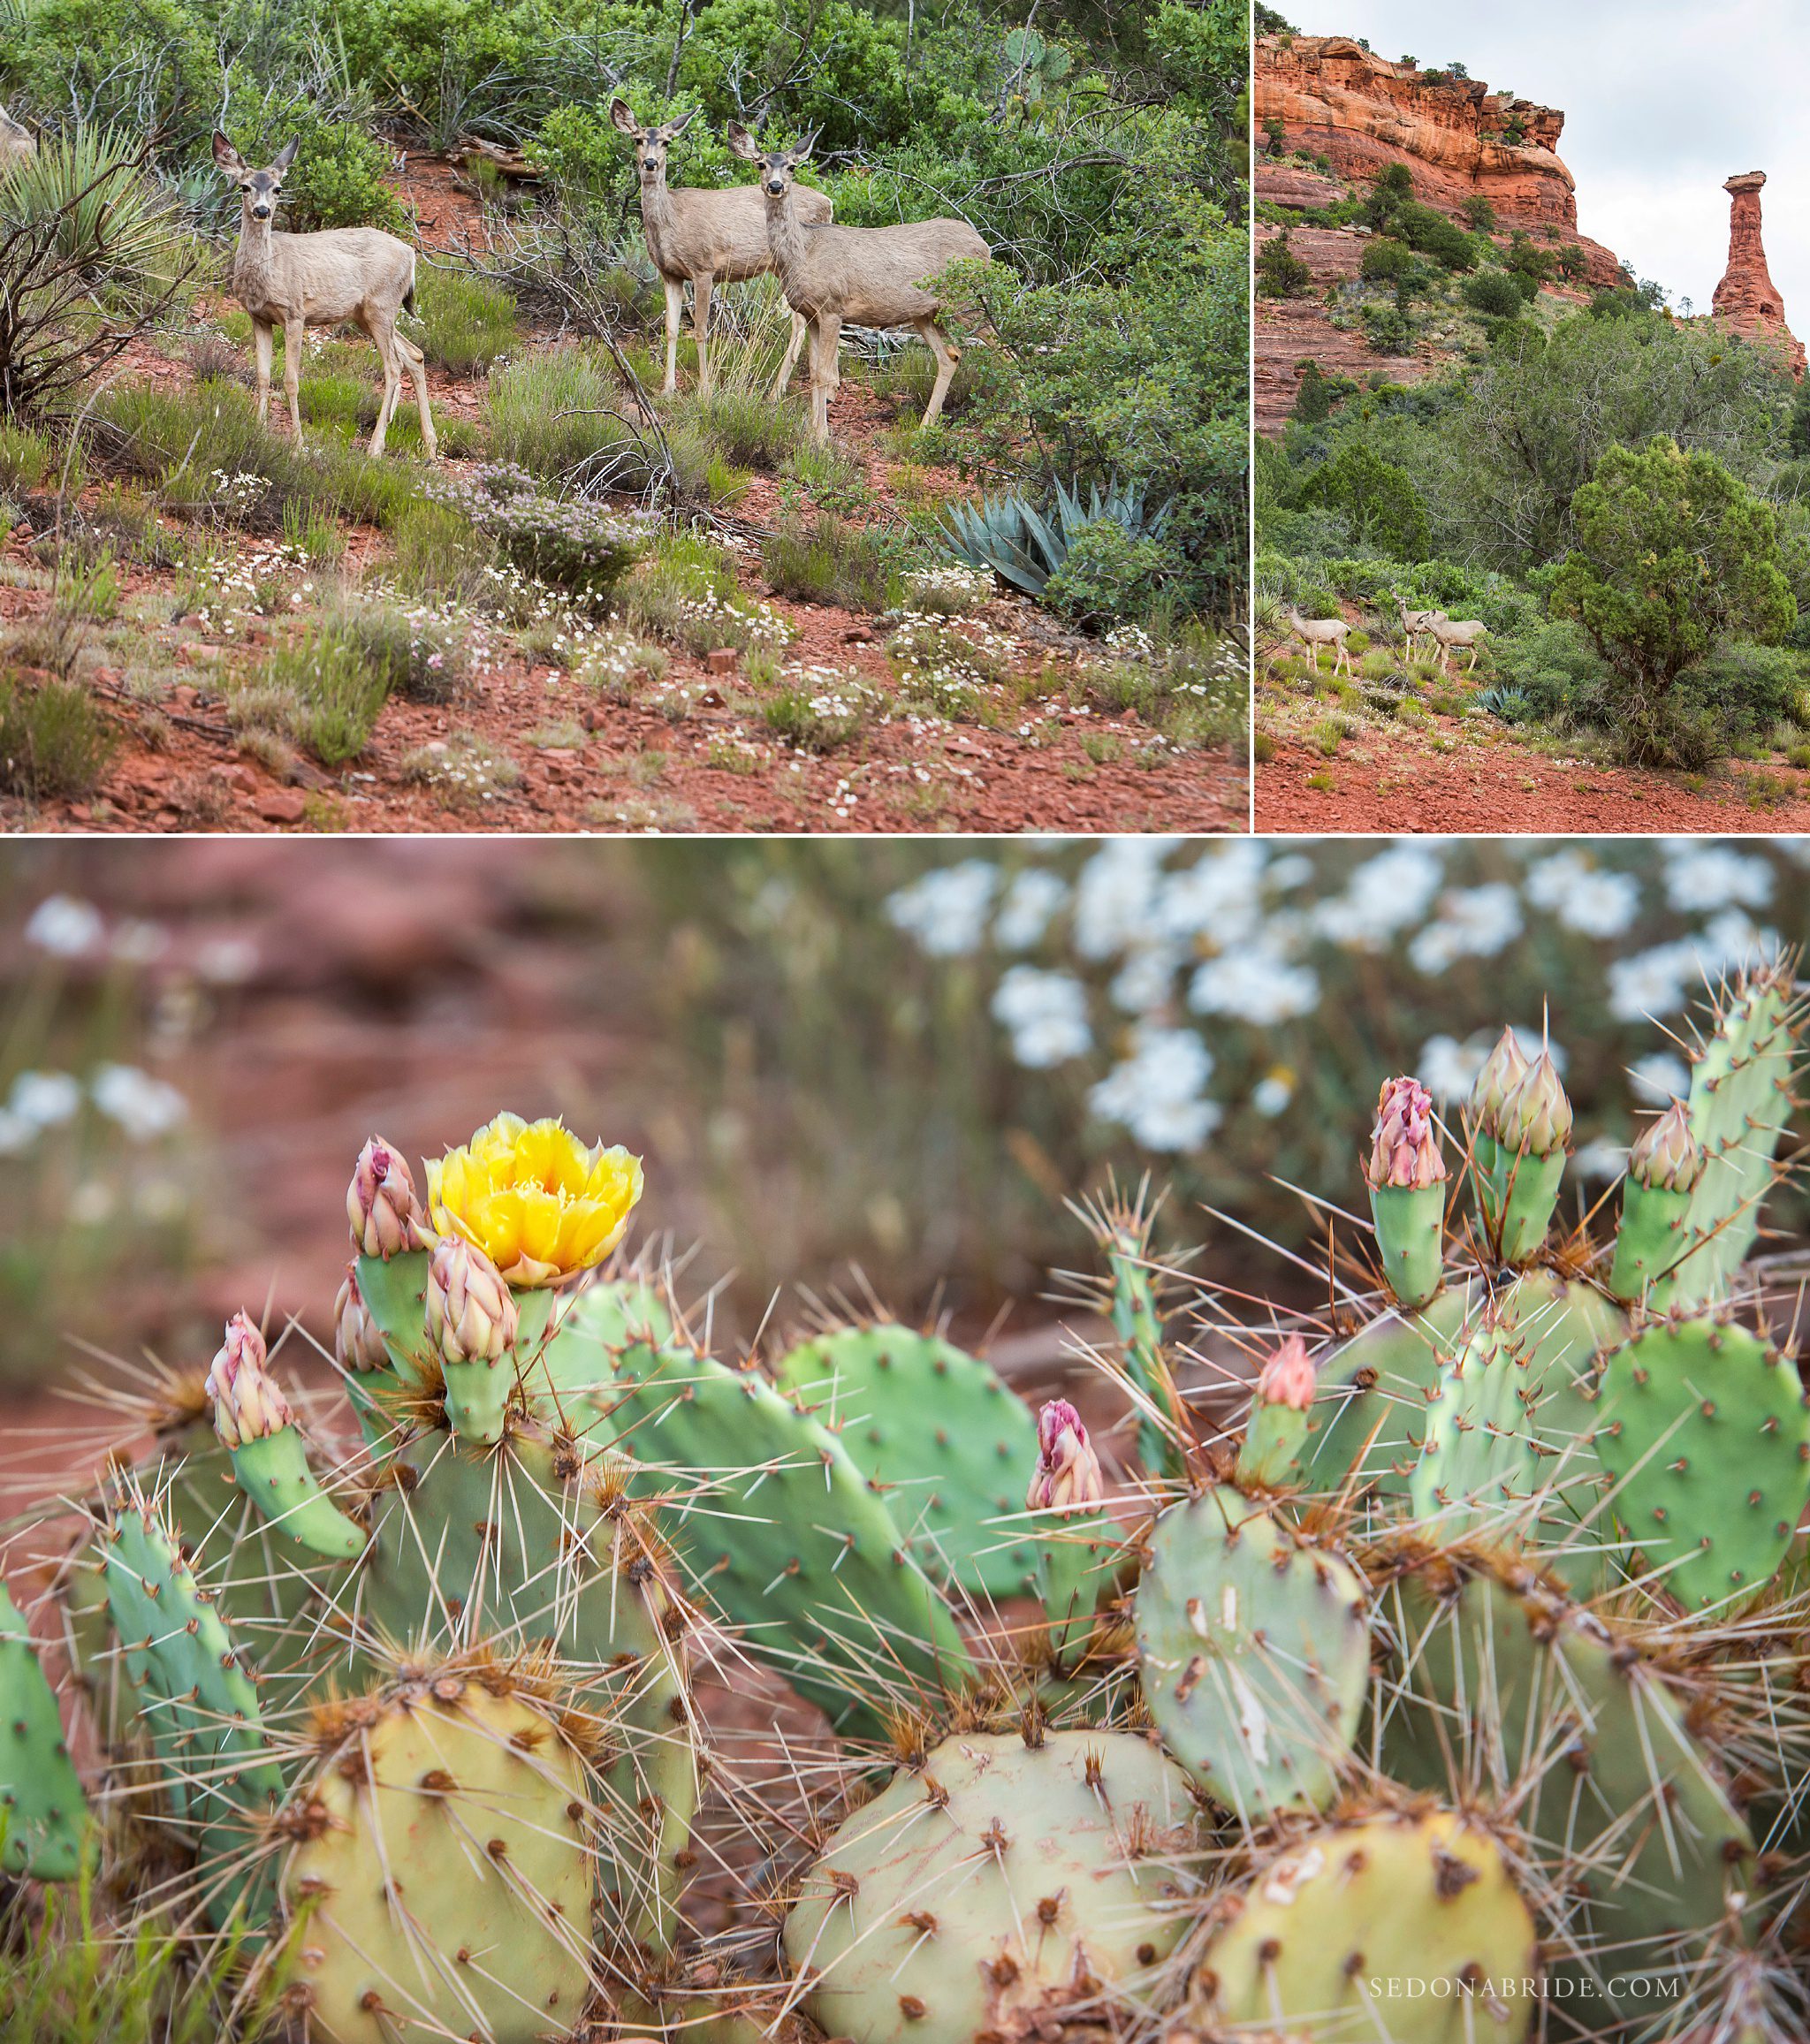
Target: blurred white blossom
[64, 926]
[1033, 898]
[1472, 923]
[947, 910]
[44, 1099]
[143, 1106]
[1046, 1014]
[1660, 1079]
[1255, 986]
[1156, 1094]
[1584, 896]
[1699, 875]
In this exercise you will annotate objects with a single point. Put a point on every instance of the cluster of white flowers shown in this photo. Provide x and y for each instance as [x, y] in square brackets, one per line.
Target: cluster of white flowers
[756, 627]
[1241, 934]
[950, 667]
[237, 496]
[66, 926]
[950, 590]
[143, 1108]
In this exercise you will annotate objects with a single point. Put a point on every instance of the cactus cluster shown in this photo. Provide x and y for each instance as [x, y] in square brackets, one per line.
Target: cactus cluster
[566, 1675]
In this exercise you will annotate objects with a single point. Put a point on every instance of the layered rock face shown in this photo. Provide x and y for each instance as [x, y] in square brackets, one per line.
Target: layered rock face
[1747, 300]
[1460, 141]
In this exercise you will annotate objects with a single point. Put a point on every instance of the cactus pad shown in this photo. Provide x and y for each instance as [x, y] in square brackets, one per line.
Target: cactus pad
[778, 1526]
[1706, 1430]
[939, 1428]
[1400, 1927]
[1479, 1459]
[43, 1813]
[1253, 1652]
[442, 1885]
[1000, 1888]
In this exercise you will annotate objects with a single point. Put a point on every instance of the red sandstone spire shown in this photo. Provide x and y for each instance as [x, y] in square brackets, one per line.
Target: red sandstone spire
[1746, 299]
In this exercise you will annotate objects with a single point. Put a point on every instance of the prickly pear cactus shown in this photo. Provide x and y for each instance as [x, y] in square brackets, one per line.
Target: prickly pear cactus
[1253, 1653]
[42, 1809]
[1325, 1937]
[1004, 1885]
[939, 1432]
[438, 1882]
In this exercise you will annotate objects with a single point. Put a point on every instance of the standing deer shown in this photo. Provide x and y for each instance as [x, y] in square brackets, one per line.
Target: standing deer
[710, 237]
[18, 144]
[873, 276]
[1414, 623]
[357, 274]
[1467, 632]
[1315, 632]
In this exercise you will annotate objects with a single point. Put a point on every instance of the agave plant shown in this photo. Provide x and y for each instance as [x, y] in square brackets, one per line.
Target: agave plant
[1025, 546]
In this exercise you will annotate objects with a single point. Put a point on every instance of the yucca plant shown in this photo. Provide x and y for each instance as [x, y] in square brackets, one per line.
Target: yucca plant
[1024, 546]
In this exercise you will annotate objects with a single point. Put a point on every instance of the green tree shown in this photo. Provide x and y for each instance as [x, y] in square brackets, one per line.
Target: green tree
[1376, 500]
[1313, 401]
[1276, 134]
[1386, 261]
[1495, 293]
[1480, 213]
[1800, 423]
[1280, 273]
[1674, 558]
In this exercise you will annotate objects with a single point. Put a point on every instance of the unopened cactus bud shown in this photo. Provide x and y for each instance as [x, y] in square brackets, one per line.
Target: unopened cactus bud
[358, 1341]
[1536, 1118]
[1502, 1071]
[1404, 1150]
[381, 1204]
[1288, 1378]
[1667, 1156]
[249, 1402]
[471, 1312]
[1068, 1476]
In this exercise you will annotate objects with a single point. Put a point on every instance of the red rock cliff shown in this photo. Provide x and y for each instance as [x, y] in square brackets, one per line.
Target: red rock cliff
[1746, 299]
[1336, 99]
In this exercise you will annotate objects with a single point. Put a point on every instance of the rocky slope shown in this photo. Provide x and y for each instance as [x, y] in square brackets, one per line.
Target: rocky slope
[1336, 100]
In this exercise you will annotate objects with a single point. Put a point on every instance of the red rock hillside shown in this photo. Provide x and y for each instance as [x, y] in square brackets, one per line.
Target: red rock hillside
[1337, 99]
[1746, 299]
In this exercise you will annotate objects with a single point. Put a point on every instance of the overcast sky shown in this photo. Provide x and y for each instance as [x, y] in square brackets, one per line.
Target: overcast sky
[1663, 99]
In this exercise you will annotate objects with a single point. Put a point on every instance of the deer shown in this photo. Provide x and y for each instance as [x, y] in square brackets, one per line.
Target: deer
[706, 236]
[1315, 632]
[1466, 632]
[18, 144]
[338, 275]
[1414, 623]
[872, 276]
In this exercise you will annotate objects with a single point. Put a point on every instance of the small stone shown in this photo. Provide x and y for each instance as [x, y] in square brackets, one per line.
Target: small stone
[725, 660]
[282, 805]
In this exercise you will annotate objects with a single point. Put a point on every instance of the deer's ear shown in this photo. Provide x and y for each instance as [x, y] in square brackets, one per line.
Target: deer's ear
[285, 155]
[624, 119]
[741, 143]
[801, 151]
[225, 156]
[674, 129]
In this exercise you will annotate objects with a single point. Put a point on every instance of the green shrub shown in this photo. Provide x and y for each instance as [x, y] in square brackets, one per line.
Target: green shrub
[1387, 260]
[1495, 293]
[1428, 232]
[26, 458]
[820, 714]
[54, 742]
[1108, 572]
[568, 542]
[469, 322]
[745, 427]
[1280, 273]
[1378, 502]
[340, 401]
[321, 690]
[336, 179]
[563, 414]
[421, 656]
[204, 449]
[830, 562]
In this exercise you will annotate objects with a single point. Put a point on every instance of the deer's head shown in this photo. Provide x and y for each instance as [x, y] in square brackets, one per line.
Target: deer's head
[650, 144]
[778, 168]
[260, 187]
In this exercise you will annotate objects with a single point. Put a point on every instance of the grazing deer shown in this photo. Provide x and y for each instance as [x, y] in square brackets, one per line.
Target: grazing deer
[18, 144]
[1414, 623]
[356, 273]
[1467, 632]
[1315, 632]
[711, 237]
[873, 276]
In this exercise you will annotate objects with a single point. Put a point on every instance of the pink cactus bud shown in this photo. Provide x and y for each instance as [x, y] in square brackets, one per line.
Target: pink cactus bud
[471, 1312]
[1536, 1116]
[1288, 1378]
[1068, 1476]
[1501, 1073]
[381, 1205]
[1404, 1145]
[358, 1342]
[248, 1403]
[1667, 1156]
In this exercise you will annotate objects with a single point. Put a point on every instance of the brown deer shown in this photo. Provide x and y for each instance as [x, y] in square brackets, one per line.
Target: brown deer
[872, 276]
[707, 236]
[359, 275]
[18, 144]
[1315, 632]
[1463, 635]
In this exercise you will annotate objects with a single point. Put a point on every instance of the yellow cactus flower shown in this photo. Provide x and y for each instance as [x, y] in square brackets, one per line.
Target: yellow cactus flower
[539, 1204]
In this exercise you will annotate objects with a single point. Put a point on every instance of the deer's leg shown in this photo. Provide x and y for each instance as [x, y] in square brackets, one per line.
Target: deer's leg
[794, 349]
[387, 342]
[675, 305]
[264, 336]
[825, 340]
[947, 355]
[418, 375]
[700, 327]
[292, 332]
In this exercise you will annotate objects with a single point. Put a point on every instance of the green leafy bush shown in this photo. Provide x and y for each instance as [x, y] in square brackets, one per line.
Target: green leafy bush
[1377, 500]
[567, 541]
[336, 179]
[1495, 293]
[830, 562]
[54, 742]
[1280, 273]
[321, 690]
[1109, 571]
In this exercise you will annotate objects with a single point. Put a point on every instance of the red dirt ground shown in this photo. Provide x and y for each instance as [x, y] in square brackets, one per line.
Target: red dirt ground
[1035, 770]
